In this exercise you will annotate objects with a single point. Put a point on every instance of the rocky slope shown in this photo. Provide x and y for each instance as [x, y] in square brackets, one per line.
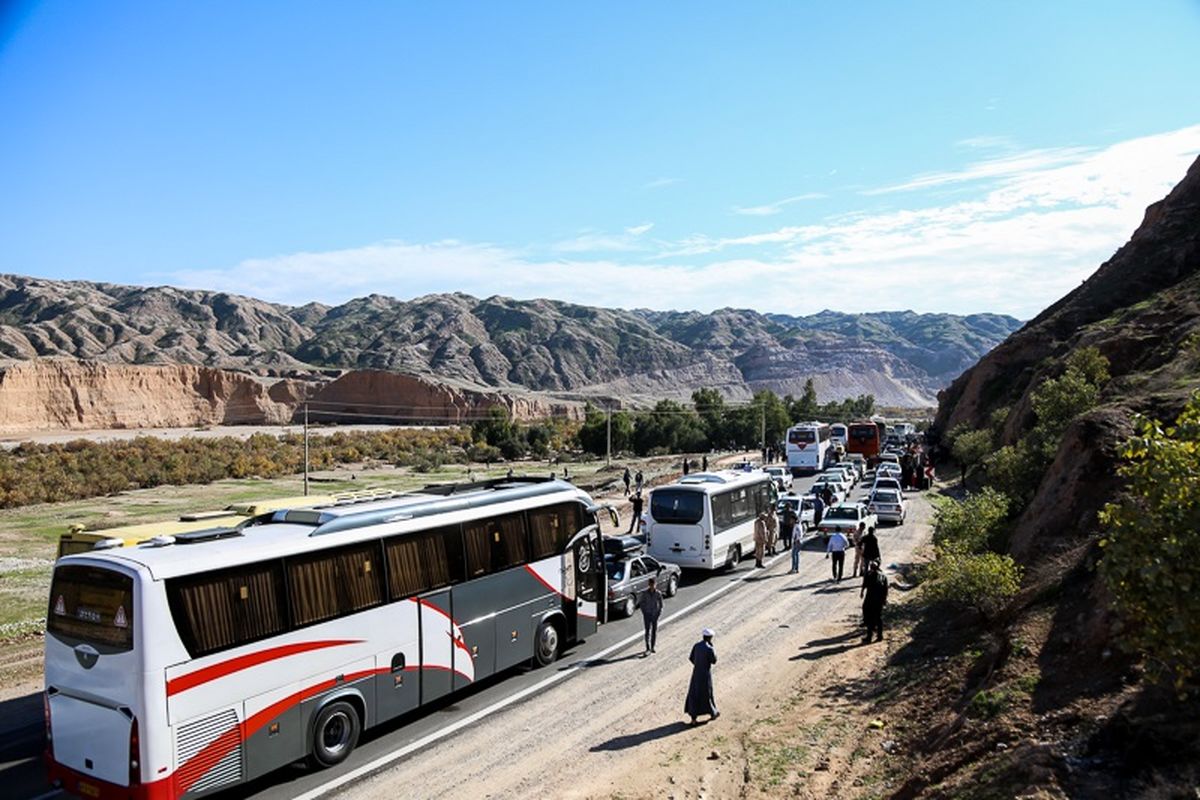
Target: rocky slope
[1141, 309]
[540, 345]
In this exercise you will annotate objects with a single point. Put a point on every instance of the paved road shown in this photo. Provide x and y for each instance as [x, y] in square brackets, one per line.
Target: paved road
[20, 719]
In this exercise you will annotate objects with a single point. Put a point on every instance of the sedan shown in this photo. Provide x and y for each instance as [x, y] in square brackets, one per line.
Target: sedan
[839, 487]
[629, 576]
[782, 477]
[888, 505]
[846, 473]
[887, 482]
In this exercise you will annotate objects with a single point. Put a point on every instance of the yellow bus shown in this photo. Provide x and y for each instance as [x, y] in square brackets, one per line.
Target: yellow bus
[79, 539]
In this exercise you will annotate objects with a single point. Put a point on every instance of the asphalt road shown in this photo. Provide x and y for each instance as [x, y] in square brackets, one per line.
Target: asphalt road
[21, 772]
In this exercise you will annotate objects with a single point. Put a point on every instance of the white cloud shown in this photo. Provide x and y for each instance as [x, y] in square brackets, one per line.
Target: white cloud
[659, 183]
[1046, 220]
[1005, 166]
[770, 209]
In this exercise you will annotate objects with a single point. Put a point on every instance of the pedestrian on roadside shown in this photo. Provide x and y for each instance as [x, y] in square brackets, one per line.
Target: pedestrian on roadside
[870, 548]
[704, 464]
[652, 606]
[627, 478]
[685, 466]
[635, 513]
[787, 524]
[772, 529]
[837, 548]
[827, 496]
[818, 510]
[639, 480]
[797, 546]
[874, 592]
[856, 540]
[700, 689]
[760, 538]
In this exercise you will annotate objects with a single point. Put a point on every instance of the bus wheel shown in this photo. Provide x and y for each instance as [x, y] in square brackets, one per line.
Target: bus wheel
[734, 557]
[334, 734]
[672, 586]
[546, 645]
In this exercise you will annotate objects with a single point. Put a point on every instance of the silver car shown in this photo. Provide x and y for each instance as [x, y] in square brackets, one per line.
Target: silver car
[629, 575]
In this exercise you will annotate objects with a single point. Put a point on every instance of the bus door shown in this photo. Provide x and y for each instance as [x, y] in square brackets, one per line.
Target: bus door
[440, 653]
[584, 579]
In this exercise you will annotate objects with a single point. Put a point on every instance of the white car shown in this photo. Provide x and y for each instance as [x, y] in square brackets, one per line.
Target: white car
[888, 469]
[858, 462]
[887, 482]
[782, 477]
[839, 487]
[844, 472]
[804, 507]
[847, 518]
[855, 469]
[889, 457]
[888, 505]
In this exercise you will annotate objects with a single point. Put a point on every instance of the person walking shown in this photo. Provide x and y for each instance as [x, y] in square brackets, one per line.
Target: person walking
[685, 466]
[797, 543]
[827, 496]
[700, 689]
[874, 593]
[787, 524]
[635, 520]
[818, 510]
[772, 529]
[704, 464]
[870, 548]
[627, 478]
[760, 538]
[639, 480]
[856, 541]
[837, 548]
[652, 605]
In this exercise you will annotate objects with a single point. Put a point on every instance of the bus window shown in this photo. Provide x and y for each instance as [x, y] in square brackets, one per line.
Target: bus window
[675, 507]
[422, 561]
[495, 544]
[722, 505]
[332, 583]
[230, 607]
[552, 527]
[89, 605]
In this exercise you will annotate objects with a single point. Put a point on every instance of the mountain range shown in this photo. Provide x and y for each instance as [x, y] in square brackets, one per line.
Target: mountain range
[903, 358]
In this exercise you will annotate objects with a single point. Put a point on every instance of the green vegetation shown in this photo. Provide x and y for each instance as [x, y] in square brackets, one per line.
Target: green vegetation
[1151, 557]
[969, 450]
[989, 703]
[966, 572]
[968, 525]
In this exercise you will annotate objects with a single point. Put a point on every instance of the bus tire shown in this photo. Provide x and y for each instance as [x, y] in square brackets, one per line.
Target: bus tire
[334, 734]
[546, 644]
[734, 557]
[672, 586]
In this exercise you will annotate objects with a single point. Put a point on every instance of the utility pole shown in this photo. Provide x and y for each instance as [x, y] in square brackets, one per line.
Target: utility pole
[306, 449]
[608, 431]
[764, 430]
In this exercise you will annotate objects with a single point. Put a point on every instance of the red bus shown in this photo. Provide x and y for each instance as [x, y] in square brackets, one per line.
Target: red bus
[866, 439]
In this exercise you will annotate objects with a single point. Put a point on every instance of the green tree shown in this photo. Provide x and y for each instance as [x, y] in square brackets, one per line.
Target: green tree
[806, 406]
[970, 449]
[982, 581]
[710, 405]
[1151, 549]
[968, 525]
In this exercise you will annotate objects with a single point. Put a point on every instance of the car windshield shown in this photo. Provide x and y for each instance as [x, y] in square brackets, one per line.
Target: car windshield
[775, 470]
[842, 513]
[886, 497]
[615, 568]
[676, 506]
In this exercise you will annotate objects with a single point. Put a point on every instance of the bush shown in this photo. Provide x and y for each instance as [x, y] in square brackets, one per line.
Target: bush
[967, 525]
[982, 581]
[970, 448]
[1015, 471]
[1151, 560]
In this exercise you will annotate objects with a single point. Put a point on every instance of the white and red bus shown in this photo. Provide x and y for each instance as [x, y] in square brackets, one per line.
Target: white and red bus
[808, 446]
[196, 662]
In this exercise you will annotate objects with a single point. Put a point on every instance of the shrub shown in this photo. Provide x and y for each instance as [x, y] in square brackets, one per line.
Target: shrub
[970, 448]
[982, 581]
[1015, 471]
[1151, 560]
[967, 525]
[988, 703]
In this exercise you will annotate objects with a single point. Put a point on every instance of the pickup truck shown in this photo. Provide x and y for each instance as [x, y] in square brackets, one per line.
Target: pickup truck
[847, 517]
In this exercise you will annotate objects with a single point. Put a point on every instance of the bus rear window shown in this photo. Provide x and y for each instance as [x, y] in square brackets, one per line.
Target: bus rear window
[675, 507]
[91, 605]
[802, 437]
[864, 433]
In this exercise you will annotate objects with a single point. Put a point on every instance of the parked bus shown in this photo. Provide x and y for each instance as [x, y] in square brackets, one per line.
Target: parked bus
[79, 539]
[866, 439]
[706, 520]
[839, 433]
[185, 665]
[808, 447]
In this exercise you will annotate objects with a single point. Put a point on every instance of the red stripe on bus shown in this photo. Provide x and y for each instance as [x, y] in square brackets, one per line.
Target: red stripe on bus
[211, 754]
[542, 580]
[220, 670]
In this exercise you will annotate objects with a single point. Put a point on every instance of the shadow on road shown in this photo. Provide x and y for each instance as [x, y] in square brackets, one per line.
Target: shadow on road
[813, 655]
[601, 662]
[634, 739]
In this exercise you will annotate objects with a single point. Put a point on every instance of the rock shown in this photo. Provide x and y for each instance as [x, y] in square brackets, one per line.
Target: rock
[1001, 746]
[890, 746]
[714, 755]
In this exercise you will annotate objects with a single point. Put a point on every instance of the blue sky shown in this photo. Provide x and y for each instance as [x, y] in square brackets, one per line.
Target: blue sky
[940, 156]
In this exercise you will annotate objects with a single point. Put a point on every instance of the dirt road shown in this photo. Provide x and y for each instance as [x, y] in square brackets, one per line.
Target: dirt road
[618, 729]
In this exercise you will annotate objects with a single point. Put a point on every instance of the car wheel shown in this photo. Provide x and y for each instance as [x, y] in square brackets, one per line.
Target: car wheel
[335, 733]
[672, 585]
[628, 607]
[547, 644]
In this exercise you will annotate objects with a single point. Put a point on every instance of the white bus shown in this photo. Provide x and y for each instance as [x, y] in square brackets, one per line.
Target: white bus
[839, 433]
[706, 520]
[808, 446]
[207, 659]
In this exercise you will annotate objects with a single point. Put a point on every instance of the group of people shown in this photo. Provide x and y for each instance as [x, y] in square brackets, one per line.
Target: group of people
[866, 550]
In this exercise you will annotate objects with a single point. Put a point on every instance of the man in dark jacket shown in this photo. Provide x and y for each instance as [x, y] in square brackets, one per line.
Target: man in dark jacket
[874, 593]
[635, 513]
[700, 690]
[870, 548]
[652, 606]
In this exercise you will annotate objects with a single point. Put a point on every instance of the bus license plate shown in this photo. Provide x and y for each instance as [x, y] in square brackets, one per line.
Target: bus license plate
[88, 790]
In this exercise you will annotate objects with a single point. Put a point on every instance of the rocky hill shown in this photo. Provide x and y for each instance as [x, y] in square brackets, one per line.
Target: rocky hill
[1092, 727]
[902, 358]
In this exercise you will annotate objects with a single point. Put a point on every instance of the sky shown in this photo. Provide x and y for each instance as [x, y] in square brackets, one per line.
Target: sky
[787, 157]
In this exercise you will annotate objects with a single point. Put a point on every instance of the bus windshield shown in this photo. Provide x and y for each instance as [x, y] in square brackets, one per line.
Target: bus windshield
[674, 506]
[90, 605]
[865, 433]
